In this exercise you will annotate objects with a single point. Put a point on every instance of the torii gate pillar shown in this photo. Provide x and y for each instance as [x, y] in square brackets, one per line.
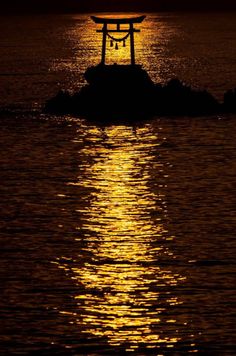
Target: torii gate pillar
[104, 43]
[132, 51]
[129, 32]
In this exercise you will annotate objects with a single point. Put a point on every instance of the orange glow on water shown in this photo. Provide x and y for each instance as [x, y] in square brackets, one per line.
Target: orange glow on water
[124, 297]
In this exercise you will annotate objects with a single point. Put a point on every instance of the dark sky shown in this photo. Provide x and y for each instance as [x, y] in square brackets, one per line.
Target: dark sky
[21, 6]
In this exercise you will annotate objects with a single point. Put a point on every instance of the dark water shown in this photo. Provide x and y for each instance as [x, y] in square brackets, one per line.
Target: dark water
[116, 240]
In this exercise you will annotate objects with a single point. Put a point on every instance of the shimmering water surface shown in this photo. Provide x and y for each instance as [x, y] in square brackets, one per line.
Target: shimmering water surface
[40, 54]
[116, 240]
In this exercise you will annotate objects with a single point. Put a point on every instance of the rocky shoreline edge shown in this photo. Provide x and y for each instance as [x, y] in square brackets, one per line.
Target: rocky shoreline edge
[116, 91]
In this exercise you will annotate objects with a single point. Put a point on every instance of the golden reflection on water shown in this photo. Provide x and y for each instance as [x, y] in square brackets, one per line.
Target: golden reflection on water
[150, 47]
[125, 293]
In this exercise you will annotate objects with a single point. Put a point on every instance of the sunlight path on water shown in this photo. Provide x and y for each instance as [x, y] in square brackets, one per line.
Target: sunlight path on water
[127, 291]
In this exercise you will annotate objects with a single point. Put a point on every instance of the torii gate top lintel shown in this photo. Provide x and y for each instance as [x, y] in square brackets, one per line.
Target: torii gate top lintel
[125, 20]
[129, 32]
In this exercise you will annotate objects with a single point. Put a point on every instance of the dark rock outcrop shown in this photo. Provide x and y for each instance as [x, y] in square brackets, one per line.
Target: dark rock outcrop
[176, 98]
[230, 101]
[128, 92]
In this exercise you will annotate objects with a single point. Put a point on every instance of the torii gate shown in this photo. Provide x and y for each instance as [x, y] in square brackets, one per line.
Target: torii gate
[129, 32]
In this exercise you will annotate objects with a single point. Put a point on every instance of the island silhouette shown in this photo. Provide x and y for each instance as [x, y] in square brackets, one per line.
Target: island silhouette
[126, 92]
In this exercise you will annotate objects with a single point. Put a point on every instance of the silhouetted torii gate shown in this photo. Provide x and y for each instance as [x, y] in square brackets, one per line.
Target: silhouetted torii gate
[118, 22]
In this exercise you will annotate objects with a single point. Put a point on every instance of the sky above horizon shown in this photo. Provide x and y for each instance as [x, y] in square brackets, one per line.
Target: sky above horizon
[114, 5]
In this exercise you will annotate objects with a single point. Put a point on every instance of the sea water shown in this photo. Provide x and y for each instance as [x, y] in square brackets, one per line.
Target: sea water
[118, 239]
